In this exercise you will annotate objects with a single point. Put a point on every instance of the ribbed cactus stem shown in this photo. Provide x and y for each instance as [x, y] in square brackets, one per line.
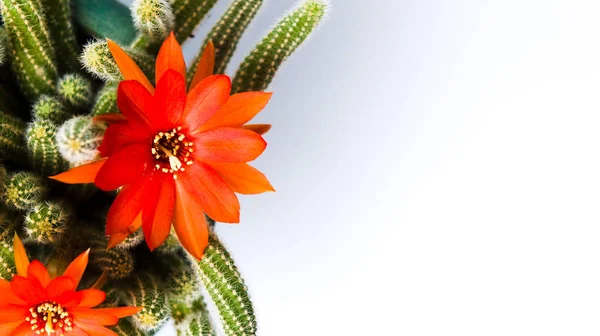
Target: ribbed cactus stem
[127, 328]
[106, 100]
[145, 292]
[183, 282]
[24, 190]
[46, 222]
[97, 59]
[30, 48]
[43, 151]
[78, 139]
[3, 45]
[188, 15]
[257, 70]
[7, 259]
[118, 263]
[227, 289]
[50, 108]
[12, 139]
[63, 34]
[153, 18]
[75, 90]
[192, 321]
[226, 34]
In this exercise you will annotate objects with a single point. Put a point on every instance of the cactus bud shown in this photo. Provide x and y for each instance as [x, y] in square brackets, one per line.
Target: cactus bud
[46, 222]
[153, 18]
[43, 150]
[75, 90]
[78, 139]
[24, 190]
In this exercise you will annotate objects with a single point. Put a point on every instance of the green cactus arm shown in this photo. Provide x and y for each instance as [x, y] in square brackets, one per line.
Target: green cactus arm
[258, 69]
[46, 222]
[227, 289]
[78, 139]
[75, 90]
[227, 33]
[92, 16]
[145, 292]
[12, 139]
[63, 34]
[188, 15]
[24, 190]
[43, 151]
[31, 52]
[98, 60]
[153, 19]
[50, 108]
[106, 100]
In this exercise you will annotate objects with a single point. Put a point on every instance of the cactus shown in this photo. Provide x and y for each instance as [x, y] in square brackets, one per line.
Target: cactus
[192, 321]
[258, 69]
[30, 47]
[50, 108]
[46, 158]
[227, 289]
[227, 32]
[154, 19]
[12, 138]
[146, 292]
[46, 222]
[97, 60]
[75, 90]
[63, 34]
[24, 190]
[188, 14]
[78, 139]
[126, 328]
[132, 240]
[183, 283]
[117, 263]
[106, 101]
[3, 45]
[7, 260]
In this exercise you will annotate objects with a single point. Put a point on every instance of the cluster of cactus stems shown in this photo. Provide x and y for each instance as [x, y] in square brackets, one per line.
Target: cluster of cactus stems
[56, 75]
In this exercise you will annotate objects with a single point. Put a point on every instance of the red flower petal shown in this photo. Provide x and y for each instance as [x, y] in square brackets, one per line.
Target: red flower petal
[21, 259]
[91, 297]
[76, 331]
[243, 178]
[189, 222]
[120, 312]
[170, 57]
[123, 167]
[69, 299]
[120, 135]
[12, 314]
[204, 100]
[239, 109]
[157, 212]
[28, 290]
[169, 100]
[110, 118]
[116, 238]
[38, 271]
[136, 104]
[77, 267]
[258, 128]
[226, 144]
[206, 65]
[211, 192]
[81, 174]
[93, 316]
[15, 328]
[126, 207]
[60, 286]
[96, 330]
[129, 69]
[8, 297]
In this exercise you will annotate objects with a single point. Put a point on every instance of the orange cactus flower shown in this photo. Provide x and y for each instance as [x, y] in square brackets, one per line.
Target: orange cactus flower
[33, 303]
[177, 153]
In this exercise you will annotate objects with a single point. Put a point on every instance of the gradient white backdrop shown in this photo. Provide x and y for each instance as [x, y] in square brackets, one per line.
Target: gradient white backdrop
[437, 171]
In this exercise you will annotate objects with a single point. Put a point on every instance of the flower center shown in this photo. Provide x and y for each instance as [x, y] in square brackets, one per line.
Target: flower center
[171, 151]
[48, 317]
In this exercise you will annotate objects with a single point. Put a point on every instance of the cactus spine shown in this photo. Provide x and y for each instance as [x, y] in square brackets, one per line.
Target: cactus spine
[46, 222]
[227, 289]
[258, 69]
[24, 190]
[78, 139]
[227, 33]
[145, 292]
[43, 150]
[31, 51]
[192, 321]
[188, 14]
[153, 18]
[61, 29]
[12, 138]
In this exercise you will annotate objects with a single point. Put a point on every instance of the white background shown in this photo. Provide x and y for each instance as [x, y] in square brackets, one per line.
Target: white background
[437, 172]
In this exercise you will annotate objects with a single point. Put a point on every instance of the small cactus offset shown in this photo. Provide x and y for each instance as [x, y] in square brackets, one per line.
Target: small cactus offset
[78, 139]
[30, 48]
[43, 151]
[59, 189]
[226, 34]
[258, 69]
